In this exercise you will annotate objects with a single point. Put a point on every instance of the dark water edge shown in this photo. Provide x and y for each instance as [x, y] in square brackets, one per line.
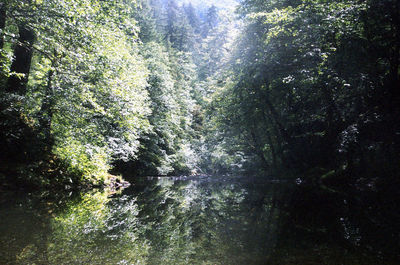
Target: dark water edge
[201, 220]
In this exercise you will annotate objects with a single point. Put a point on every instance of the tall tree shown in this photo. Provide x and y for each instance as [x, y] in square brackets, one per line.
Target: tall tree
[146, 16]
[172, 23]
[300, 84]
[3, 14]
[211, 20]
[192, 17]
[21, 64]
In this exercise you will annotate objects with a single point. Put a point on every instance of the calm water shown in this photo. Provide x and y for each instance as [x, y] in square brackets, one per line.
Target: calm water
[197, 221]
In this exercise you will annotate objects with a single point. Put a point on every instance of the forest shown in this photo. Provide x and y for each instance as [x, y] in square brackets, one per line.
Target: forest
[162, 87]
[199, 132]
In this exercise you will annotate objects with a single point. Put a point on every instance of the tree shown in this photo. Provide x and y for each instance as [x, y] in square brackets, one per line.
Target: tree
[21, 64]
[192, 17]
[145, 15]
[211, 21]
[3, 15]
[81, 85]
[300, 81]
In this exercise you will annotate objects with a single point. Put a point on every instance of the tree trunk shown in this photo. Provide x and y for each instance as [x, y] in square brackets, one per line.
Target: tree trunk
[273, 152]
[275, 117]
[21, 64]
[2, 23]
[394, 61]
[46, 110]
[258, 149]
[3, 14]
[268, 133]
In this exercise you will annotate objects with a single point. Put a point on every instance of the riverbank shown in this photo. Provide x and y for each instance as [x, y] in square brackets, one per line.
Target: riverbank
[51, 175]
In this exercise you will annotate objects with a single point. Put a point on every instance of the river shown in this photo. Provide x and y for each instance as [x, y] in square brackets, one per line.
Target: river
[201, 220]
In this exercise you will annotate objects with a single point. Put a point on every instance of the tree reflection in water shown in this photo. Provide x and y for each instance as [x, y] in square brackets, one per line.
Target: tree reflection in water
[197, 221]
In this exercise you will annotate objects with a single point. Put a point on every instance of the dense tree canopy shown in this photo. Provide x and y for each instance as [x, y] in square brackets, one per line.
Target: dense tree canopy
[165, 86]
[310, 85]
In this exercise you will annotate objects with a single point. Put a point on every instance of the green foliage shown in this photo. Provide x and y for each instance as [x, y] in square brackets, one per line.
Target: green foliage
[169, 90]
[86, 93]
[108, 83]
[159, 87]
[304, 80]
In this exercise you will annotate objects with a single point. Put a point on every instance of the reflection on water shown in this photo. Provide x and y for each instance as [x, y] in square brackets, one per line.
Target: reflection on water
[196, 221]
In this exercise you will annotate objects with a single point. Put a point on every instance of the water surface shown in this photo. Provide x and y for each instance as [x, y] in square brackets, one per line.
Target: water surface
[195, 221]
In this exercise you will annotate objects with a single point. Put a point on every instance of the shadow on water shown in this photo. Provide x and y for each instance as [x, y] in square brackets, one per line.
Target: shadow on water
[200, 220]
